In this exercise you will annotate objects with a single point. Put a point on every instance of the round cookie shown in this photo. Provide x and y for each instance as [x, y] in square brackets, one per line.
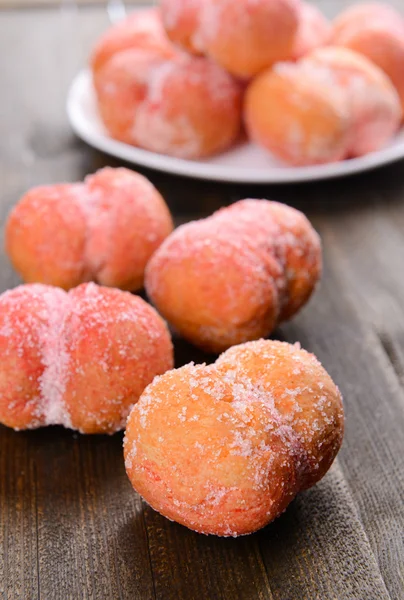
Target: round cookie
[141, 30]
[45, 235]
[376, 31]
[300, 391]
[375, 105]
[314, 30]
[115, 343]
[181, 19]
[27, 315]
[121, 86]
[127, 220]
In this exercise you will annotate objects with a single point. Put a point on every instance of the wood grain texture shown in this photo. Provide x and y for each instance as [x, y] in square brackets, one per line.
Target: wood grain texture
[71, 527]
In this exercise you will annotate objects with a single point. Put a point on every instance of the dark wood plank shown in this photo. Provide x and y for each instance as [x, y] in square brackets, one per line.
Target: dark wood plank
[72, 528]
[192, 566]
[18, 522]
[89, 527]
[372, 456]
[319, 549]
[70, 524]
[371, 253]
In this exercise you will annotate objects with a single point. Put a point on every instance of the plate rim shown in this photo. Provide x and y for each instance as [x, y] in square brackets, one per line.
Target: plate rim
[201, 170]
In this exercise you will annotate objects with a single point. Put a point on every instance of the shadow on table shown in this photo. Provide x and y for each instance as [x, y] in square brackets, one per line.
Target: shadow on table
[191, 198]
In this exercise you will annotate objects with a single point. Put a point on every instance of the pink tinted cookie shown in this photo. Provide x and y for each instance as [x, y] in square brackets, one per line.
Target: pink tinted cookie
[299, 114]
[314, 30]
[79, 359]
[376, 31]
[375, 104]
[187, 107]
[223, 449]
[233, 276]
[104, 229]
[141, 30]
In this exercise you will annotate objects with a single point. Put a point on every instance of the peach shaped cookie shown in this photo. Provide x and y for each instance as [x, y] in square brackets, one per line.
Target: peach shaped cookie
[79, 359]
[299, 114]
[244, 37]
[375, 105]
[223, 449]
[104, 229]
[233, 276]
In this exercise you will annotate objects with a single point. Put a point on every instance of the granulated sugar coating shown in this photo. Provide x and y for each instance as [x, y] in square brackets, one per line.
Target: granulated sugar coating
[141, 30]
[152, 95]
[314, 30]
[185, 106]
[330, 105]
[104, 229]
[181, 19]
[232, 277]
[375, 105]
[299, 114]
[243, 37]
[224, 448]
[191, 109]
[79, 359]
[377, 31]
[120, 88]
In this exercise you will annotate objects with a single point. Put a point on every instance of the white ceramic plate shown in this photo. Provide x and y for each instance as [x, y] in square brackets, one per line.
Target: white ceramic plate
[244, 163]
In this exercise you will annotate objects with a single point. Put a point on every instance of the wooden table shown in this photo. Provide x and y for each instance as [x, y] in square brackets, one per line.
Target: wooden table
[71, 527]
